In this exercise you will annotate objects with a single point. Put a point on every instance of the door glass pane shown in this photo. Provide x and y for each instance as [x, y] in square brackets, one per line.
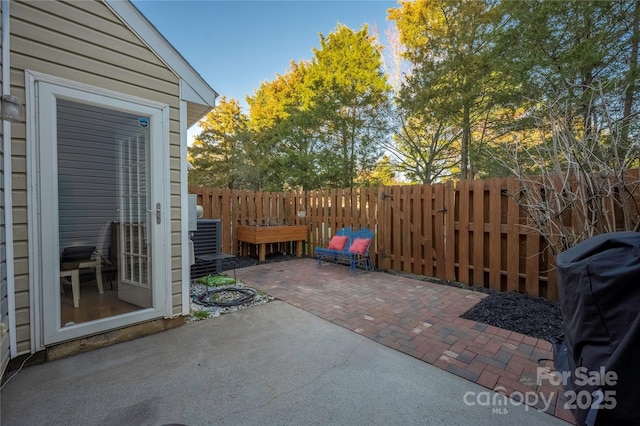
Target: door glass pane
[102, 197]
[134, 283]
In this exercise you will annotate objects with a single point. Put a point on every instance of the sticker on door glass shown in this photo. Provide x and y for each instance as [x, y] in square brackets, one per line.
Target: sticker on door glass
[143, 122]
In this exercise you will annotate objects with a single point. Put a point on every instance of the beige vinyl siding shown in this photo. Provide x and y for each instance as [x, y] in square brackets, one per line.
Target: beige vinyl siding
[85, 42]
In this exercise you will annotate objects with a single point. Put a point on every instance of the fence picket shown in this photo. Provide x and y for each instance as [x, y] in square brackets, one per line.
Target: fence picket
[495, 233]
[463, 231]
[427, 212]
[384, 230]
[417, 258]
[478, 232]
[449, 231]
[513, 236]
[438, 230]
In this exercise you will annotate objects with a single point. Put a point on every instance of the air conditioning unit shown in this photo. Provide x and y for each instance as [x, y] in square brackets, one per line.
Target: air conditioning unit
[207, 239]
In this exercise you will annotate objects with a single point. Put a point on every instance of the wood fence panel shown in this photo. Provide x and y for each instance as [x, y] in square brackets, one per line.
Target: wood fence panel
[267, 207]
[242, 219]
[384, 230]
[312, 217]
[259, 208]
[417, 220]
[368, 209]
[427, 240]
[337, 209]
[243, 207]
[346, 208]
[532, 273]
[331, 212]
[438, 229]
[351, 208]
[577, 212]
[478, 232]
[449, 231]
[373, 209]
[396, 227]
[250, 200]
[326, 221]
[463, 231]
[290, 209]
[271, 206]
[282, 211]
[236, 206]
[405, 229]
[332, 202]
[633, 195]
[495, 233]
[513, 236]
[370, 218]
[208, 200]
[225, 216]
[357, 195]
[204, 199]
[268, 203]
[320, 218]
[552, 277]
[317, 220]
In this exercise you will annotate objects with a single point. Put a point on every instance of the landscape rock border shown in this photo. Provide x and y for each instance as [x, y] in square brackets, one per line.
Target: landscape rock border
[198, 312]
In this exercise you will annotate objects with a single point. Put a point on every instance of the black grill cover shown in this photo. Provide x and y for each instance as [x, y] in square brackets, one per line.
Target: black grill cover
[599, 289]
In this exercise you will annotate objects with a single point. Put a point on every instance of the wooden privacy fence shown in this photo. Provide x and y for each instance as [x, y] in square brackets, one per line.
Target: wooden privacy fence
[470, 231]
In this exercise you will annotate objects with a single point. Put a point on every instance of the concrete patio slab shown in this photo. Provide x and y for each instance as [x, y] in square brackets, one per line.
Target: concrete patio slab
[271, 364]
[418, 318]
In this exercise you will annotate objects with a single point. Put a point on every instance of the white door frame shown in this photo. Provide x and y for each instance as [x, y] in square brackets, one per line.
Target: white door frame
[43, 190]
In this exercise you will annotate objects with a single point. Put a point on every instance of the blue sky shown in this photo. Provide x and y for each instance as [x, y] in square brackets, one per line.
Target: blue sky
[236, 45]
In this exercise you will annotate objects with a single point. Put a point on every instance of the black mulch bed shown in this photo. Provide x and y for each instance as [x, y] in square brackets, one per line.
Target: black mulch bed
[533, 316]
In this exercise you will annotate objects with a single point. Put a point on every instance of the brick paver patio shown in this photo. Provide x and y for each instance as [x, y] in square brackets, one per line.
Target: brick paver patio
[419, 318]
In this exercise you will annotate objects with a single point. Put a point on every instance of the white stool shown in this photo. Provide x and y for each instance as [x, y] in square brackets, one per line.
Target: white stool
[95, 263]
[72, 269]
[74, 274]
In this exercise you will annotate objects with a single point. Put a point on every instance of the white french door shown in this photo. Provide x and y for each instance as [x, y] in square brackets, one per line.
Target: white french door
[102, 186]
[134, 282]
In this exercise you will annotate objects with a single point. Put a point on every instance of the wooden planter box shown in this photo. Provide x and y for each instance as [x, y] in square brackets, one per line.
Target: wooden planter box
[263, 235]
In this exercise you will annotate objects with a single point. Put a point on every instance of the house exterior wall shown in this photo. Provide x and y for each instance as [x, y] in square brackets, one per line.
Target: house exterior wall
[84, 42]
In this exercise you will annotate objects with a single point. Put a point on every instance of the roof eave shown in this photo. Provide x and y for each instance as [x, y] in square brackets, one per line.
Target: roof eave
[193, 87]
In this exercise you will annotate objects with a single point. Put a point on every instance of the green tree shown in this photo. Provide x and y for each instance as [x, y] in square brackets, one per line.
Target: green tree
[422, 149]
[455, 89]
[217, 152]
[346, 94]
[284, 132]
[426, 150]
[563, 50]
[382, 175]
[319, 124]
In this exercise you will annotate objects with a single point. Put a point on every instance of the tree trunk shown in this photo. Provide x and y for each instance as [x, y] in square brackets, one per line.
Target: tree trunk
[633, 70]
[466, 142]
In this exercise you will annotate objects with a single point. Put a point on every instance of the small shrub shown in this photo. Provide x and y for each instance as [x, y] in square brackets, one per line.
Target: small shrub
[201, 314]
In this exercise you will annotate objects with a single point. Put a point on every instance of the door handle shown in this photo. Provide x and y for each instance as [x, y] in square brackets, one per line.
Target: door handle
[158, 214]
